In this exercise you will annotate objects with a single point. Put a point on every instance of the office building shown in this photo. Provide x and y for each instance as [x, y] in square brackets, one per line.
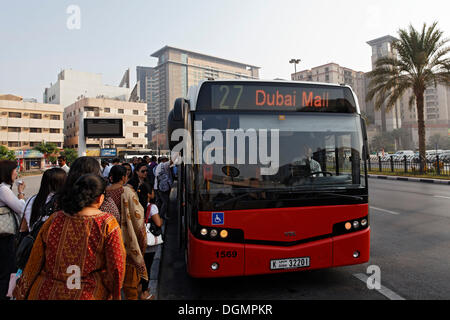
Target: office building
[177, 70]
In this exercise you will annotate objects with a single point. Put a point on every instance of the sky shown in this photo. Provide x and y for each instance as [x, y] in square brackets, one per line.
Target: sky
[114, 35]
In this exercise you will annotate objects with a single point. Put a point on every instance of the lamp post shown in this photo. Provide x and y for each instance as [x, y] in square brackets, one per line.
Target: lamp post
[295, 62]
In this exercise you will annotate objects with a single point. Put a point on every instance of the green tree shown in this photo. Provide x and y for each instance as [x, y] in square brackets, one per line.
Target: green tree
[6, 154]
[70, 154]
[49, 150]
[421, 62]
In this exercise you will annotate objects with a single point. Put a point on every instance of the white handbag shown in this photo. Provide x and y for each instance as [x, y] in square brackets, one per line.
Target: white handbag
[8, 221]
[151, 239]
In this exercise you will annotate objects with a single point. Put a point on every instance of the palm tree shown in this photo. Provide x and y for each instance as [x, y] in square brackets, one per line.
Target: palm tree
[421, 63]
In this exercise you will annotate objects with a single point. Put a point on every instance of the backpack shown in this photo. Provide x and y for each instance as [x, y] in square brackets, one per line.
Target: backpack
[26, 244]
[165, 180]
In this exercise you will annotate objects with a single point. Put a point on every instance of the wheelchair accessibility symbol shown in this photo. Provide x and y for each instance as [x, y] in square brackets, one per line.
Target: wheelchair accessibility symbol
[217, 218]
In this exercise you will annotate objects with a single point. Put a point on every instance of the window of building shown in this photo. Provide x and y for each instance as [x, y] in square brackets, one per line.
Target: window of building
[107, 110]
[135, 135]
[35, 116]
[135, 123]
[55, 130]
[14, 129]
[55, 117]
[34, 144]
[35, 130]
[120, 111]
[14, 114]
[13, 144]
[136, 112]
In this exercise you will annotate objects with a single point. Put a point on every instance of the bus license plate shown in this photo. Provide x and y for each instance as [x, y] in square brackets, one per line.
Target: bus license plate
[291, 263]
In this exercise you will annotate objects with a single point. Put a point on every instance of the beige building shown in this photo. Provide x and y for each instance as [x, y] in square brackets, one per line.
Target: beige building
[177, 70]
[334, 73]
[24, 125]
[134, 117]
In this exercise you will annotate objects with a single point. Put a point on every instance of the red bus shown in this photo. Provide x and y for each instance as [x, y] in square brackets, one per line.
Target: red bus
[273, 177]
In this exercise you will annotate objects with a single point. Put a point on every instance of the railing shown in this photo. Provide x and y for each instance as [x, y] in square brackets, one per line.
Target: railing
[408, 165]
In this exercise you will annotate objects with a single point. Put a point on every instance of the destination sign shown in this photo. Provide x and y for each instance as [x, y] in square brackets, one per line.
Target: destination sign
[275, 97]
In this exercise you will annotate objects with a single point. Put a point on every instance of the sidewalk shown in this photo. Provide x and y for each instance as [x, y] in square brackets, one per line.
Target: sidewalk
[401, 178]
[155, 269]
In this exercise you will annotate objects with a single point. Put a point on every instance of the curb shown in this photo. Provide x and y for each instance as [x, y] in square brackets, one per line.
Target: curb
[436, 181]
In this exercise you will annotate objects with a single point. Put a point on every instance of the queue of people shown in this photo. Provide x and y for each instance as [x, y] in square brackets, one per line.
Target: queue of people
[86, 232]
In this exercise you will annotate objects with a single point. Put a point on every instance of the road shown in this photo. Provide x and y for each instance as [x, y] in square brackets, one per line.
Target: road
[410, 244]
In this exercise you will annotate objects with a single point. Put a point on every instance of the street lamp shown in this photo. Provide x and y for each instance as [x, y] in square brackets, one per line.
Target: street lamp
[295, 62]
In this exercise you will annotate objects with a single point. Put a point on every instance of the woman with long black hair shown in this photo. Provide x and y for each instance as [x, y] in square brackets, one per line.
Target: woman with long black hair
[52, 182]
[140, 183]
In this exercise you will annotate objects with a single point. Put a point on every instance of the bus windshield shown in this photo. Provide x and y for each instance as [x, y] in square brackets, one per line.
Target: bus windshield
[315, 152]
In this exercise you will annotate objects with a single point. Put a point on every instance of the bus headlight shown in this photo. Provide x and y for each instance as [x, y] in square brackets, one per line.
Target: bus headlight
[213, 233]
[356, 224]
[203, 232]
[363, 222]
[223, 234]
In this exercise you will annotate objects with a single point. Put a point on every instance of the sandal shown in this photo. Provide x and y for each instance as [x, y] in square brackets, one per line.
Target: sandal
[149, 296]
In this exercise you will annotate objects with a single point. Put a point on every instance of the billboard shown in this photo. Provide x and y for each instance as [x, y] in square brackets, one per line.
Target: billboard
[108, 152]
[103, 128]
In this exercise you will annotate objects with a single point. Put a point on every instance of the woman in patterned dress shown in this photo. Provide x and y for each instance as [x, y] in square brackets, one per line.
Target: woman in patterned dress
[79, 252]
[133, 229]
[85, 165]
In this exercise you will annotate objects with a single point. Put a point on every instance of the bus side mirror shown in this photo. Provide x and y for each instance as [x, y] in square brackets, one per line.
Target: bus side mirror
[176, 119]
[179, 109]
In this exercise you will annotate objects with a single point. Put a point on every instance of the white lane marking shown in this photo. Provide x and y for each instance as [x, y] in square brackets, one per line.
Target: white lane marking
[388, 293]
[384, 210]
[441, 197]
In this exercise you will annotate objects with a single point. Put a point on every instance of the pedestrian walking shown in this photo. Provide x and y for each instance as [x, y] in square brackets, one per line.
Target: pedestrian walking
[11, 208]
[132, 223]
[151, 216]
[129, 170]
[164, 183]
[62, 162]
[79, 252]
[140, 183]
[85, 165]
[38, 207]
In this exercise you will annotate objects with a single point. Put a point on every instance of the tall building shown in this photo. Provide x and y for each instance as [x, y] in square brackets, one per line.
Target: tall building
[177, 70]
[74, 85]
[147, 84]
[134, 129]
[387, 121]
[24, 125]
[334, 73]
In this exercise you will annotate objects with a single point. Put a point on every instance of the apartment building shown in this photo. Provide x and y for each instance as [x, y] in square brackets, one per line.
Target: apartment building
[334, 73]
[134, 115]
[24, 125]
[176, 71]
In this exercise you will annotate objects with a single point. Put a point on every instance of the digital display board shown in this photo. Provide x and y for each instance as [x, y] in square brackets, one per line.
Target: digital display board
[275, 97]
[103, 128]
